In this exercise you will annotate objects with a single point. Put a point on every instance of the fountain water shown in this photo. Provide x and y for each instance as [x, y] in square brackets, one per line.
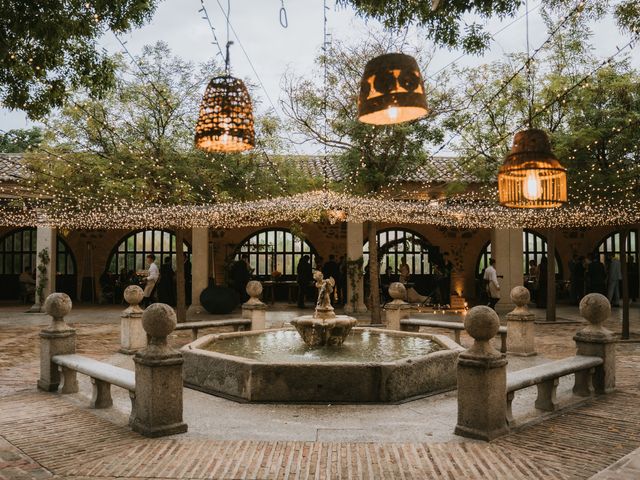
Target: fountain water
[324, 327]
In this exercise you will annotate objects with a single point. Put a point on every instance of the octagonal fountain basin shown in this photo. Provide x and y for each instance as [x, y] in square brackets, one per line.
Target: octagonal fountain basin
[371, 366]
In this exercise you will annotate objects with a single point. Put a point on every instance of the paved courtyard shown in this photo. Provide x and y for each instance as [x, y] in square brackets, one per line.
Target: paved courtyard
[48, 435]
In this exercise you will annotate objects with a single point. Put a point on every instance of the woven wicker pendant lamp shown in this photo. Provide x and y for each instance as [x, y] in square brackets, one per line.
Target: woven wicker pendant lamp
[531, 176]
[225, 122]
[391, 91]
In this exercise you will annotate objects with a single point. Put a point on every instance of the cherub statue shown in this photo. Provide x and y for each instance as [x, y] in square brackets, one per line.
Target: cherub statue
[325, 289]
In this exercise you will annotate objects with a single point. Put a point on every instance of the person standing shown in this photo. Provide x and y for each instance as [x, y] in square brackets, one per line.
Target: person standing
[404, 271]
[342, 279]
[614, 276]
[541, 295]
[597, 276]
[152, 277]
[166, 284]
[304, 278]
[491, 281]
[240, 275]
[576, 271]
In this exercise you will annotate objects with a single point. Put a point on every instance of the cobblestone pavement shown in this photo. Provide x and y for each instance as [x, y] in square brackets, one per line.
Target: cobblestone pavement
[45, 435]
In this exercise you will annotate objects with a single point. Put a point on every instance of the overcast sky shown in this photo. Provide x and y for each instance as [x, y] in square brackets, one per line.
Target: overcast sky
[272, 49]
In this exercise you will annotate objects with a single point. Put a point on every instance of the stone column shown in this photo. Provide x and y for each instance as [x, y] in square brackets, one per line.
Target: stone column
[521, 325]
[253, 309]
[132, 335]
[506, 249]
[398, 308]
[158, 409]
[482, 380]
[199, 268]
[45, 240]
[355, 241]
[57, 339]
[595, 340]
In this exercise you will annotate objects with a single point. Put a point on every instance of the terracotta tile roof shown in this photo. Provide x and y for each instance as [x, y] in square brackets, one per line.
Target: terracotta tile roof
[11, 169]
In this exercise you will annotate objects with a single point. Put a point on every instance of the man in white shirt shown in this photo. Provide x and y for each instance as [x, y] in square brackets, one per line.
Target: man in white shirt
[152, 278]
[491, 281]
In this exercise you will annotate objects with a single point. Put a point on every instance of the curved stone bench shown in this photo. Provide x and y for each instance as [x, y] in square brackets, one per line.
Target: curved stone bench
[236, 323]
[103, 375]
[546, 377]
[414, 324]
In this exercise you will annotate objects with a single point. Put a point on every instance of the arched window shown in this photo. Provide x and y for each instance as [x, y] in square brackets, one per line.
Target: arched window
[18, 251]
[534, 247]
[396, 243]
[610, 245]
[274, 249]
[131, 251]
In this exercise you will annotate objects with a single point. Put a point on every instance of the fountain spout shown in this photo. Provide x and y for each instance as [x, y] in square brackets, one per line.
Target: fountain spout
[324, 327]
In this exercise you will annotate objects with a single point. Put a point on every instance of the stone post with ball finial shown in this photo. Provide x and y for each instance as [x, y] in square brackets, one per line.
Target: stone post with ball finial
[158, 409]
[596, 341]
[56, 339]
[254, 309]
[521, 324]
[398, 308]
[482, 380]
[132, 335]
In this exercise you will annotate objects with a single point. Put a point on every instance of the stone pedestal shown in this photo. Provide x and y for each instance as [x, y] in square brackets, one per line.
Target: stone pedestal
[397, 309]
[595, 340]
[254, 309]
[132, 335]
[199, 268]
[158, 377]
[57, 339]
[521, 325]
[482, 380]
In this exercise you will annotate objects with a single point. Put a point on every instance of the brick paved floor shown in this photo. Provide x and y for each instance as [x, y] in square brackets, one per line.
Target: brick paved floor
[46, 435]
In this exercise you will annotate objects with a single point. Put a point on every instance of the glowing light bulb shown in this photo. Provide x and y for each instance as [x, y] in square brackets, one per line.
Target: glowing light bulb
[532, 186]
[392, 113]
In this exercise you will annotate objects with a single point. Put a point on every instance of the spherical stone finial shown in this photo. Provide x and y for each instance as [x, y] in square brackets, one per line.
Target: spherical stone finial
[133, 294]
[58, 305]
[482, 323]
[520, 296]
[595, 308]
[254, 289]
[397, 291]
[159, 320]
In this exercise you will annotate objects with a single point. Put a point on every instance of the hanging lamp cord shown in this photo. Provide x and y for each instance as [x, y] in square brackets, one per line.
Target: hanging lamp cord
[529, 70]
[227, 60]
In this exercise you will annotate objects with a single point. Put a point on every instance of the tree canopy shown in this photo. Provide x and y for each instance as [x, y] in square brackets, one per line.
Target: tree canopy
[48, 49]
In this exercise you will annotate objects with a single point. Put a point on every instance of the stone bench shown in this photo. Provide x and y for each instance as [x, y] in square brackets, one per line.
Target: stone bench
[414, 324]
[103, 375]
[546, 378]
[155, 388]
[236, 323]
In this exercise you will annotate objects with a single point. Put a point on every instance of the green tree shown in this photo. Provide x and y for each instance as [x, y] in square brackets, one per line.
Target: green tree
[20, 140]
[460, 23]
[373, 159]
[48, 49]
[136, 143]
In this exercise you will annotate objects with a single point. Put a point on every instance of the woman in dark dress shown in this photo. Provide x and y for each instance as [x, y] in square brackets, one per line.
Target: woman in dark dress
[166, 285]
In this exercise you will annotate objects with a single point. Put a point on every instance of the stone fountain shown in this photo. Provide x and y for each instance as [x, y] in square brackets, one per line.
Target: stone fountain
[324, 327]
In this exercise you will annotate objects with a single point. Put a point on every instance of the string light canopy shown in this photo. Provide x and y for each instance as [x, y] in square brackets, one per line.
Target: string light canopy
[531, 176]
[225, 122]
[391, 90]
